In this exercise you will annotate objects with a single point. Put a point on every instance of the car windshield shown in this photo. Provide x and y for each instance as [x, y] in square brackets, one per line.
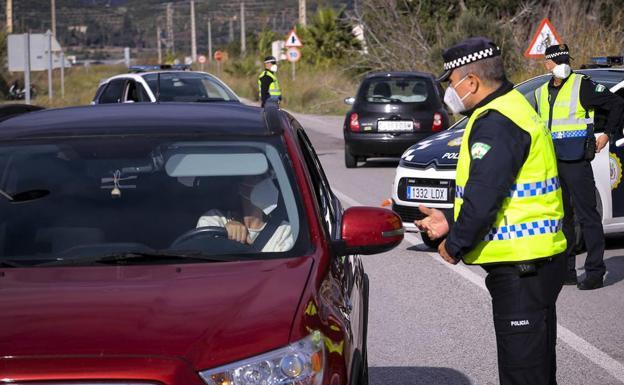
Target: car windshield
[395, 90]
[146, 200]
[187, 87]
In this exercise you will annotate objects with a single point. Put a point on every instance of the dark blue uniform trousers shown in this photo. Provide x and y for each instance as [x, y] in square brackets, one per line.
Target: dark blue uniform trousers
[525, 320]
[579, 198]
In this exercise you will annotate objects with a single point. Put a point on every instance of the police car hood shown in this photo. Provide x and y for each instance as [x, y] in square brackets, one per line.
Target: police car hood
[439, 151]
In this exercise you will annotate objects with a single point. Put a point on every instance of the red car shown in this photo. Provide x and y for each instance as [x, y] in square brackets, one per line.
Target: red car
[178, 244]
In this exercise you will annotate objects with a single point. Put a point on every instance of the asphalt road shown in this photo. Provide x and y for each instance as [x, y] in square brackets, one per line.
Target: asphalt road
[431, 324]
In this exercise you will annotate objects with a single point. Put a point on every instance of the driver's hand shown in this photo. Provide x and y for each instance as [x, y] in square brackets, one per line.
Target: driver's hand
[236, 231]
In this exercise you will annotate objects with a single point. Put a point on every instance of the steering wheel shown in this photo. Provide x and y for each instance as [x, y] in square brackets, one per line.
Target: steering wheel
[213, 232]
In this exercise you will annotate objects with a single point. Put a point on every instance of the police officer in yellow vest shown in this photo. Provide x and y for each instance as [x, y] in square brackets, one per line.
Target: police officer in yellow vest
[508, 210]
[566, 104]
[268, 85]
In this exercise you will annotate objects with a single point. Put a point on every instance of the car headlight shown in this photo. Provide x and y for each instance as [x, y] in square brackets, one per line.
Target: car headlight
[300, 363]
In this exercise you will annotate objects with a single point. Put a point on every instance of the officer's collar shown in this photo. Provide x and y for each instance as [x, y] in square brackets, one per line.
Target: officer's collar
[500, 91]
[551, 82]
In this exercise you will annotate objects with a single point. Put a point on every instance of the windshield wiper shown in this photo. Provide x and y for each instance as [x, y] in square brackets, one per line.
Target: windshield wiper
[208, 100]
[8, 263]
[163, 254]
[138, 256]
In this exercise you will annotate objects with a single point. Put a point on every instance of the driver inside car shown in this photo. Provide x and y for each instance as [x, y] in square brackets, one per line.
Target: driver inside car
[261, 223]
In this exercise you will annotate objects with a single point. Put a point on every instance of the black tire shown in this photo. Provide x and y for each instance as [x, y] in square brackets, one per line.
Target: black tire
[431, 243]
[350, 159]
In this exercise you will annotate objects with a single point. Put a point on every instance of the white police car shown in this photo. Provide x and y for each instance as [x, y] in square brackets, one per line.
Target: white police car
[426, 172]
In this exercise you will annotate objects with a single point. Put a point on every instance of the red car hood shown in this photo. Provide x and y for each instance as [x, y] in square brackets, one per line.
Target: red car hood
[206, 314]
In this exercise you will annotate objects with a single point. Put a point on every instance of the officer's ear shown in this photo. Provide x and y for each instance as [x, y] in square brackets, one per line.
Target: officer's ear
[474, 82]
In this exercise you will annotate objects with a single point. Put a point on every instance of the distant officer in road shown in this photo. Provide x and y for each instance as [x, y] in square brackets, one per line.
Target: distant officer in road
[268, 85]
[508, 210]
[566, 104]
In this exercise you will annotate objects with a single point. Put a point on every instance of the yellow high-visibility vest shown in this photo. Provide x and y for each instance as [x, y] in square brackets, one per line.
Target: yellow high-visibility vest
[569, 117]
[528, 224]
[274, 87]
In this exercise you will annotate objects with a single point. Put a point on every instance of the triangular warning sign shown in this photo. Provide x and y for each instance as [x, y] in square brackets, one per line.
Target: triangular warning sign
[293, 40]
[545, 37]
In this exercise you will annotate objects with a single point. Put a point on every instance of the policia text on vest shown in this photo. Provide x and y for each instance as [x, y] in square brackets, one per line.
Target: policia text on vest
[508, 210]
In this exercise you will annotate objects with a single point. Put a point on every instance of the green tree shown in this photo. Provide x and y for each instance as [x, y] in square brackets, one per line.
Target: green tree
[328, 39]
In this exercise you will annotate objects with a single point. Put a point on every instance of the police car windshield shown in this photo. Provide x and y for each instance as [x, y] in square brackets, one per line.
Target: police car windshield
[187, 87]
[82, 199]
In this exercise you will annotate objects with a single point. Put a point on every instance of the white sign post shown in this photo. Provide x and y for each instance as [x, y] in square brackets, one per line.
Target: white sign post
[27, 67]
[293, 54]
[50, 65]
[545, 37]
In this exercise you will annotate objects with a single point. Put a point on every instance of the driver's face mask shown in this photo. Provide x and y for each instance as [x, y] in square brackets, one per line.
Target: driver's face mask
[263, 195]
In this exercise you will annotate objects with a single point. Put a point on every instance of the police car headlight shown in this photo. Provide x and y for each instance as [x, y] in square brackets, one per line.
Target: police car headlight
[300, 363]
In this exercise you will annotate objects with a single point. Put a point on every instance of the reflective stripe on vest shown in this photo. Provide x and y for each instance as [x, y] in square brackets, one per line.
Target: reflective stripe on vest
[569, 117]
[274, 87]
[528, 223]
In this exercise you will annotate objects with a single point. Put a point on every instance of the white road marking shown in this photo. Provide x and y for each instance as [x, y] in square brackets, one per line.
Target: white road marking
[595, 355]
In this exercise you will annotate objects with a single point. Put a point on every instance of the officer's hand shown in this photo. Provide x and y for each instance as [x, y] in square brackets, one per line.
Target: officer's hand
[445, 255]
[434, 223]
[237, 231]
[601, 142]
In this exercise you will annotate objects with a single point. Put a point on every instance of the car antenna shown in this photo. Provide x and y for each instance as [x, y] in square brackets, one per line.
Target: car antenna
[158, 87]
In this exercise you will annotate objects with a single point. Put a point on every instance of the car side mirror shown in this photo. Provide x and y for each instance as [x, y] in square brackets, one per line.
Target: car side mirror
[370, 230]
[350, 100]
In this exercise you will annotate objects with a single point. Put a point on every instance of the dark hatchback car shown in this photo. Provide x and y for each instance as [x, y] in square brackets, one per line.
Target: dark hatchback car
[116, 266]
[391, 112]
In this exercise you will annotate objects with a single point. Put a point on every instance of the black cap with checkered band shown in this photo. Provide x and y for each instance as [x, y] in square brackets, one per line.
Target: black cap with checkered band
[468, 51]
[559, 53]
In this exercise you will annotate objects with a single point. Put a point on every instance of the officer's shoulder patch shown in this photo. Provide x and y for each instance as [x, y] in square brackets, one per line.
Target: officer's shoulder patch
[479, 149]
[600, 88]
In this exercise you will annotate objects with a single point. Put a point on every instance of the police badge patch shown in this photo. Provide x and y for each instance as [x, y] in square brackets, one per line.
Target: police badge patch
[600, 88]
[478, 150]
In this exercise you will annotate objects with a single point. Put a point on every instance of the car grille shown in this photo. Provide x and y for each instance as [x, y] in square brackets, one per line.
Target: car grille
[407, 213]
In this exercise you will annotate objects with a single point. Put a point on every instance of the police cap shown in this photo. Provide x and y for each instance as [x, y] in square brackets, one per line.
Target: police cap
[270, 59]
[559, 53]
[468, 51]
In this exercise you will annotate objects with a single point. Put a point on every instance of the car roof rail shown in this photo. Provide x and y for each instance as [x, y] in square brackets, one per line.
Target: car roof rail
[273, 116]
[8, 111]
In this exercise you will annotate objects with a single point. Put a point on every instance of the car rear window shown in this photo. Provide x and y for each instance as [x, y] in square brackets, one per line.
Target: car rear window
[396, 90]
[79, 201]
[187, 87]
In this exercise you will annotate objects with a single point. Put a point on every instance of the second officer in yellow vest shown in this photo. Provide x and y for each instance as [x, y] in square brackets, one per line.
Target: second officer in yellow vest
[268, 85]
[508, 210]
[566, 104]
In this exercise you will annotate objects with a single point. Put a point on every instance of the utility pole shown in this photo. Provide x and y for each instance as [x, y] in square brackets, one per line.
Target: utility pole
[27, 66]
[170, 47]
[231, 29]
[158, 44]
[50, 90]
[193, 35]
[9, 16]
[302, 12]
[53, 14]
[242, 16]
[209, 40]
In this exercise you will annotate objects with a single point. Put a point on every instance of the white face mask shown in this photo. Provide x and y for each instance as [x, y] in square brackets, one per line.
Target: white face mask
[561, 71]
[264, 196]
[452, 100]
[273, 68]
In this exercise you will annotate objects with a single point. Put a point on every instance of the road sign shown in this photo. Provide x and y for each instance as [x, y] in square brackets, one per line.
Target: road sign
[545, 37]
[218, 55]
[293, 40]
[293, 54]
[201, 59]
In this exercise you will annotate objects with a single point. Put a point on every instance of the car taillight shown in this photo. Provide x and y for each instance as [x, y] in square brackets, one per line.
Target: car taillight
[437, 122]
[354, 122]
